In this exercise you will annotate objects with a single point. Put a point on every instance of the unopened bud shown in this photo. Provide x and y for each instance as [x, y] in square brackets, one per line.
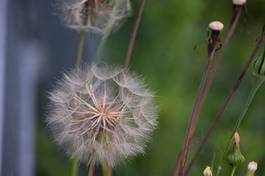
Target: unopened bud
[239, 2]
[235, 157]
[252, 167]
[236, 138]
[207, 171]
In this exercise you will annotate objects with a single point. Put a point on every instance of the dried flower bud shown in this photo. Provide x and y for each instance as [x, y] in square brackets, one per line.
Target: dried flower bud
[252, 167]
[236, 138]
[97, 16]
[239, 2]
[216, 26]
[101, 113]
[207, 171]
[259, 67]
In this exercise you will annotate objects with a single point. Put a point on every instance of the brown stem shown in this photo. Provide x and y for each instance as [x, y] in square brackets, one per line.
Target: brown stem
[80, 49]
[133, 36]
[199, 100]
[233, 24]
[226, 102]
[203, 92]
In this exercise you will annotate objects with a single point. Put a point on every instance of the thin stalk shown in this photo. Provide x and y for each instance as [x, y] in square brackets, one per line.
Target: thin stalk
[199, 100]
[233, 24]
[233, 171]
[227, 101]
[252, 94]
[80, 49]
[91, 169]
[254, 90]
[107, 170]
[203, 92]
[103, 43]
[74, 168]
[133, 36]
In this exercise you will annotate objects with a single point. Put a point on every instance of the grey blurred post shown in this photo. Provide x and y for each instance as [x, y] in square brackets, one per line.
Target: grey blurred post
[31, 55]
[21, 71]
[3, 5]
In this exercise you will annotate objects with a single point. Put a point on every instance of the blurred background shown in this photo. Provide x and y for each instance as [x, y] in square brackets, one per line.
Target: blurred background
[35, 48]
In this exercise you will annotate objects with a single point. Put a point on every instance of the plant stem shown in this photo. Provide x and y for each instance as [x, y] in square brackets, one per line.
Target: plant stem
[203, 91]
[74, 168]
[80, 49]
[233, 171]
[226, 102]
[252, 94]
[133, 36]
[199, 100]
[91, 168]
[103, 42]
[107, 170]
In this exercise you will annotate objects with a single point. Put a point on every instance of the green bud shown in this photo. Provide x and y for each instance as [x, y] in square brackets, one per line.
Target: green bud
[235, 157]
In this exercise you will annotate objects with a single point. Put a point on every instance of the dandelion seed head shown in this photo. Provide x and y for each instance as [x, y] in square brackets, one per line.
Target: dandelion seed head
[101, 113]
[97, 16]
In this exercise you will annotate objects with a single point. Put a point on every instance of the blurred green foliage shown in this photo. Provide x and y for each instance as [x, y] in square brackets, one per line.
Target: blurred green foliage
[170, 54]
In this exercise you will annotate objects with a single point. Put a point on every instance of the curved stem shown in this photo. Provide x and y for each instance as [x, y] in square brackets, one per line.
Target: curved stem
[202, 94]
[249, 101]
[80, 49]
[74, 168]
[252, 94]
[227, 100]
